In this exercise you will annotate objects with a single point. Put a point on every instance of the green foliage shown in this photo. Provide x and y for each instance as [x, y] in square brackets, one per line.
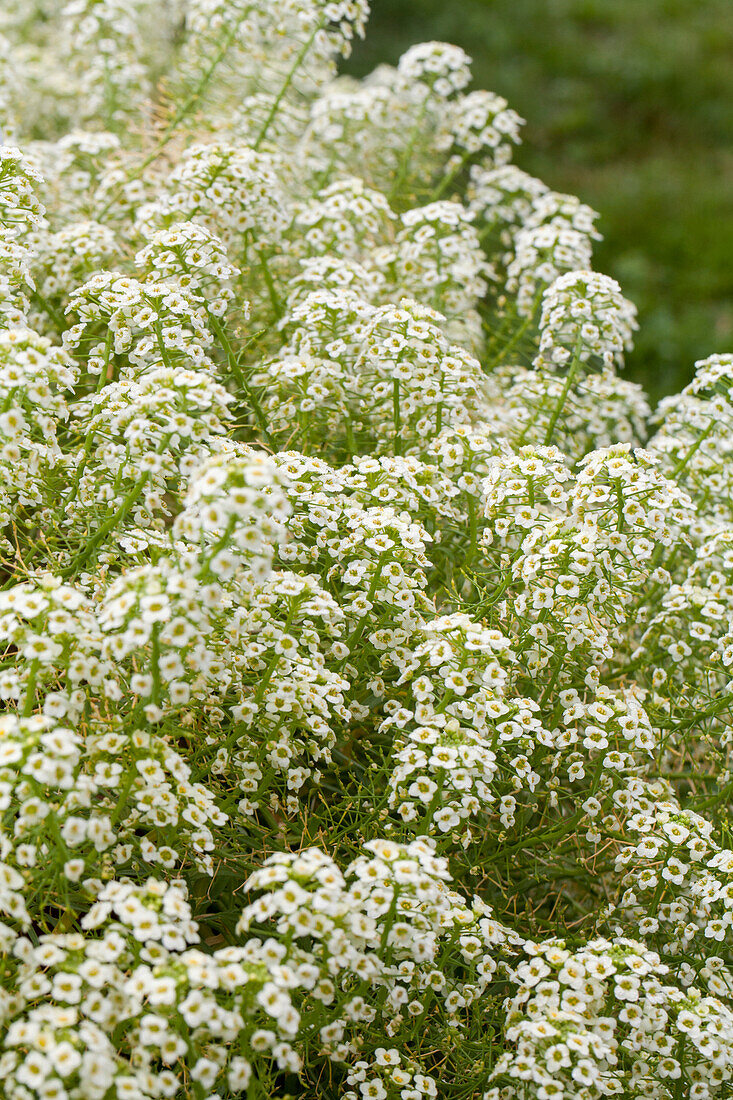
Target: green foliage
[630, 106]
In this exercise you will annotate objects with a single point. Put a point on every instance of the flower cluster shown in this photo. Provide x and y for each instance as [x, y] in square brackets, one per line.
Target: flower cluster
[603, 1020]
[365, 642]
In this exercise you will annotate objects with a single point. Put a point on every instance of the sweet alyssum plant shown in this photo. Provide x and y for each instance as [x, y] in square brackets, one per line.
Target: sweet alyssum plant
[365, 641]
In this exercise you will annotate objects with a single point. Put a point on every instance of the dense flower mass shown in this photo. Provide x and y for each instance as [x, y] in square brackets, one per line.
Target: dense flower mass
[365, 642]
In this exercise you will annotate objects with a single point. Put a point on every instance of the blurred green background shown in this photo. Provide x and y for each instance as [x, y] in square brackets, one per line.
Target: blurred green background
[629, 105]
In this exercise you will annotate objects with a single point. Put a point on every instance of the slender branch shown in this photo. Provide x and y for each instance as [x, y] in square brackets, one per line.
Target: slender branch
[563, 396]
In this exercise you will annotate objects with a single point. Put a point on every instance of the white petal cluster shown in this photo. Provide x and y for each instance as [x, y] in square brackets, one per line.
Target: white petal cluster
[366, 665]
[584, 316]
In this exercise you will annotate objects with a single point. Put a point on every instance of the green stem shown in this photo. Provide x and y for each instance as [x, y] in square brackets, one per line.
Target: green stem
[179, 116]
[434, 804]
[565, 391]
[300, 58]
[125, 789]
[553, 680]
[405, 165]
[108, 526]
[396, 417]
[695, 446]
[236, 370]
[89, 437]
[154, 659]
[30, 692]
[516, 337]
[213, 551]
[448, 178]
[271, 290]
[358, 630]
[57, 317]
[350, 441]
